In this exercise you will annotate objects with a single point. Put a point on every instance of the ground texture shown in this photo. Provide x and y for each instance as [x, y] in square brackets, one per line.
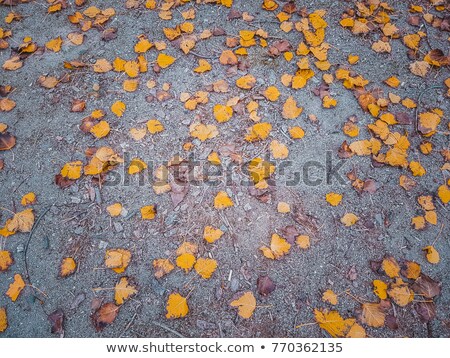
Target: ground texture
[300, 262]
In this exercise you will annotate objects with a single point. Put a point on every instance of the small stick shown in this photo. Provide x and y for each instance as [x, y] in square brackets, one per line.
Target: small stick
[168, 329]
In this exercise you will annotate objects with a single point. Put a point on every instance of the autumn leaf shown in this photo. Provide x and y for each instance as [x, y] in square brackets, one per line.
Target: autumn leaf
[246, 304]
[7, 141]
[432, 254]
[333, 199]
[177, 306]
[118, 108]
[104, 315]
[278, 248]
[380, 289]
[211, 234]
[333, 323]
[162, 267]
[123, 290]
[186, 261]
[373, 315]
[222, 200]
[28, 199]
[222, 113]
[164, 60]
[68, 267]
[290, 109]
[22, 221]
[3, 319]
[246, 82]
[117, 259]
[330, 297]
[15, 288]
[6, 260]
[148, 212]
[349, 219]
[114, 209]
[205, 267]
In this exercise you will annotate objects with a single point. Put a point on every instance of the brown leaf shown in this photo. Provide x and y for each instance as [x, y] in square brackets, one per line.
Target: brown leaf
[104, 315]
[279, 47]
[391, 322]
[109, 34]
[63, 182]
[78, 105]
[265, 285]
[57, 321]
[426, 286]
[290, 233]
[7, 141]
[426, 310]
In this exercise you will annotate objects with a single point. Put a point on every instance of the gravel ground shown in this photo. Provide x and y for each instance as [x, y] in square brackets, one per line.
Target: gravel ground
[77, 225]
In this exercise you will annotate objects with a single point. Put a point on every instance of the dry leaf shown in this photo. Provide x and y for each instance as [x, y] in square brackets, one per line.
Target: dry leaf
[246, 304]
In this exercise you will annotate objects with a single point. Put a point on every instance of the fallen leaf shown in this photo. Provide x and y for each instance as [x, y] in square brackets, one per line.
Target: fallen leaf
[205, 267]
[68, 267]
[104, 315]
[246, 304]
[177, 306]
[15, 288]
[123, 290]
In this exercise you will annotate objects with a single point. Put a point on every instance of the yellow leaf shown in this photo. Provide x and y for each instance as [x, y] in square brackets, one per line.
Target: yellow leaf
[131, 68]
[260, 169]
[333, 323]
[162, 267]
[211, 234]
[381, 47]
[416, 169]
[357, 331]
[15, 287]
[54, 44]
[296, 132]
[222, 113]
[3, 319]
[187, 248]
[444, 193]
[373, 315]
[6, 260]
[278, 247]
[28, 199]
[380, 289]
[222, 200]
[412, 41]
[176, 306]
[143, 45]
[203, 66]
[258, 131]
[22, 221]
[279, 150]
[101, 129]
[432, 254]
[401, 294]
[102, 65]
[393, 82]
[283, 207]
[351, 129]
[205, 267]
[114, 209]
[330, 297]
[412, 270]
[154, 126]
[272, 93]
[246, 82]
[202, 131]
[349, 219]
[328, 102]
[148, 212]
[246, 304]
[303, 242]
[12, 64]
[418, 222]
[118, 108]
[290, 109]
[76, 38]
[117, 259]
[409, 103]
[352, 59]
[164, 60]
[123, 290]
[68, 267]
[186, 261]
[333, 199]
[390, 267]
[228, 58]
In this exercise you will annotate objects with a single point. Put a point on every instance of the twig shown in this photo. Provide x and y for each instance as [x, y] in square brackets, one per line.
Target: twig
[439, 234]
[36, 224]
[168, 329]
